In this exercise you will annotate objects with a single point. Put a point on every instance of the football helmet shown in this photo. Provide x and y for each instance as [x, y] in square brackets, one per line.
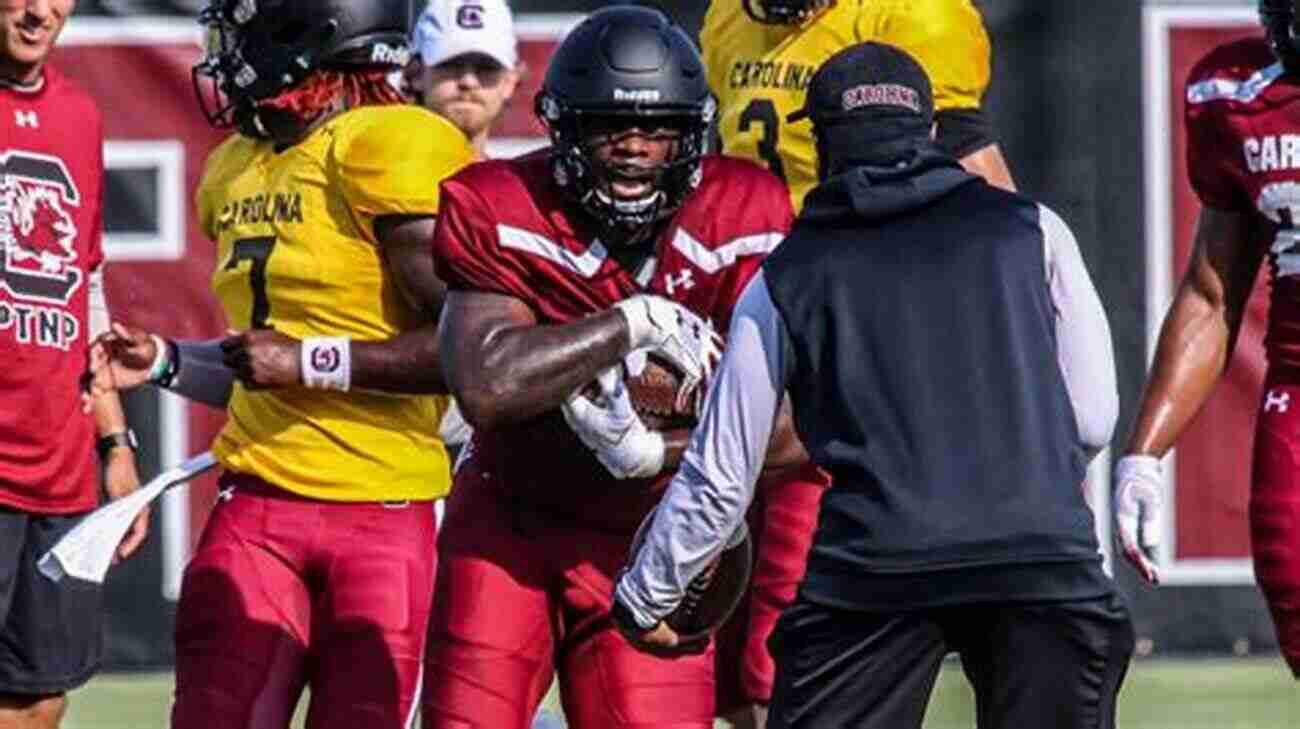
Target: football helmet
[783, 12]
[1279, 20]
[625, 62]
[256, 49]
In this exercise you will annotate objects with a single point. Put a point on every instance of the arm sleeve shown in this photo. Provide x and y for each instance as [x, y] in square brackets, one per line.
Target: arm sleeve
[1084, 350]
[466, 249]
[962, 131]
[1213, 156]
[201, 374]
[390, 163]
[706, 502]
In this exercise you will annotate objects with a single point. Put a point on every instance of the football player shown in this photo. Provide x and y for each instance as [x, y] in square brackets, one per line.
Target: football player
[1241, 120]
[760, 55]
[621, 239]
[316, 566]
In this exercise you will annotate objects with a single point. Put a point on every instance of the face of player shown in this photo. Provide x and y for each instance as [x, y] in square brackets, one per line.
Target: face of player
[470, 90]
[28, 29]
[629, 156]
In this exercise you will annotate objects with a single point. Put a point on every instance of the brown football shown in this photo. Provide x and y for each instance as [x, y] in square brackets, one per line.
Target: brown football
[714, 594]
[654, 396]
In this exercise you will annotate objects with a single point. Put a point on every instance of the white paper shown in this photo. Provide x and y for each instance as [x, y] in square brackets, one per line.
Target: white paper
[87, 551]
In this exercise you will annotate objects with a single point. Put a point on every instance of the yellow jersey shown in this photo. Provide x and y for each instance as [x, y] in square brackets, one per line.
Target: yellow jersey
[296, 251]
[760, 73]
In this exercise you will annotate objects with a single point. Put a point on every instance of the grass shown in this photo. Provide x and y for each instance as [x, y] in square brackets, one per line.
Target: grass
[1221, 693]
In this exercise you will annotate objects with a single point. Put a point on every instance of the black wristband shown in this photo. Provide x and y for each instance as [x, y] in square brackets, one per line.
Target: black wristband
[123, 439]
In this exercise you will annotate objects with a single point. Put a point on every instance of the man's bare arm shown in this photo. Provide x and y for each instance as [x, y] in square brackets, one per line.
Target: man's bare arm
[504, 367]
[1200, 330]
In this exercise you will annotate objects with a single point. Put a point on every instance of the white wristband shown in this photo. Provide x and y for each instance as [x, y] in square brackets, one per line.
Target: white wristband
[639, 326]
[327, 363]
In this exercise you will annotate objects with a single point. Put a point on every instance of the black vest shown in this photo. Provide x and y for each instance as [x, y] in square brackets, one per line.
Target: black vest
[925, 379]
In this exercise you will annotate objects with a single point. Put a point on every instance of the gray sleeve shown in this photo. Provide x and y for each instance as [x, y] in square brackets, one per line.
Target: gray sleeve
[705, 504]
[1085, 352]
[202, 375]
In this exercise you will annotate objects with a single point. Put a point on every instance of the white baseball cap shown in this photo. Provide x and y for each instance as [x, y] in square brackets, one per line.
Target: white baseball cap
[450, 28]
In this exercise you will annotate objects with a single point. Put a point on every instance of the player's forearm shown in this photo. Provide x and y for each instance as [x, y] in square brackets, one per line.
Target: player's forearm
[528, 370]
[1193, 349]
[785, 451]
[408, 363]
[106, 408]
[989, 163]
[199, 372]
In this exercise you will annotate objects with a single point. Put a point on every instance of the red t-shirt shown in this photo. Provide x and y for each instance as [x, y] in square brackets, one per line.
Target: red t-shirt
[1243, 155]
[505, 228]
[51, 182]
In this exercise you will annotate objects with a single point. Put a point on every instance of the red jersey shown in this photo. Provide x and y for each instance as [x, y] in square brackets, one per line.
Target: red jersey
[51, 177]
[505, 228]
[1243, 155]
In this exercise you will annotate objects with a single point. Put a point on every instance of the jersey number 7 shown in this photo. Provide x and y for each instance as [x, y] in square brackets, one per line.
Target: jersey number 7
[258, 252]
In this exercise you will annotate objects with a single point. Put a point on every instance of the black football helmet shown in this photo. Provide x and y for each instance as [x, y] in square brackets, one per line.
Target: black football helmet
[630, 62]
[1279, 20]
[783, 12]
[256, 49]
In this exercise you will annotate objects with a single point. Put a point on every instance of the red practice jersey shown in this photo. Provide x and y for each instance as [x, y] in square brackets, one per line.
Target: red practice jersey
[51, 170]
[505, 228]
[1243, 155]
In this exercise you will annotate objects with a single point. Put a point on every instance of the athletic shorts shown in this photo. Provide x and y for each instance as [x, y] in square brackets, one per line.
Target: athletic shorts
[50, 632]
[782, 520]
[1275, 509]
[286, 591]
[520, 596]
[1057, 664]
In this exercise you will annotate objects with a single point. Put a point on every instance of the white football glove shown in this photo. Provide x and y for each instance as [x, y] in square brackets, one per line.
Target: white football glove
[1138, 497]
[610, 427]
[688, 342]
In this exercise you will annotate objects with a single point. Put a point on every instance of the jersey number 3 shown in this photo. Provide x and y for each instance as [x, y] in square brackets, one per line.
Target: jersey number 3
[257, 251]
[763, 111]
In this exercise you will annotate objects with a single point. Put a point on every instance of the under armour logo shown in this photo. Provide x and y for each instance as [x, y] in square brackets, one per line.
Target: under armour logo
[1277, 400]
[683, 279]
[26, 119]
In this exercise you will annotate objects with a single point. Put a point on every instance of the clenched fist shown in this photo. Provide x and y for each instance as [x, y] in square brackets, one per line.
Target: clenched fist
[263, 359]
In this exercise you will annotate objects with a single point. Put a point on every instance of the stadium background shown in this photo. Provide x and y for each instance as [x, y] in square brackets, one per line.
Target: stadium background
[1085, 100]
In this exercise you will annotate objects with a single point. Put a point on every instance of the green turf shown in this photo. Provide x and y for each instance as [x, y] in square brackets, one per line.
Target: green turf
[1250, 693]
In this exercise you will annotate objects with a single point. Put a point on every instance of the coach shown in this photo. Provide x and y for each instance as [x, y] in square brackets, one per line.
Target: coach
[950, 364]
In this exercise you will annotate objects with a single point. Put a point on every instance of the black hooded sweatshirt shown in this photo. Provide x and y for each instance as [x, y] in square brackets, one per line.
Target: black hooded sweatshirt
[926, 381]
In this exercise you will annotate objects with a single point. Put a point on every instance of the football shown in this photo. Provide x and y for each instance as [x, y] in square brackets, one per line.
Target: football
[714, 594]
[654, 396]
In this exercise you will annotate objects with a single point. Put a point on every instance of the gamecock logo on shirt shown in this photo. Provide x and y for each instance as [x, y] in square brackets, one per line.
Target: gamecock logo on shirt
[326, 359]
[37, 233]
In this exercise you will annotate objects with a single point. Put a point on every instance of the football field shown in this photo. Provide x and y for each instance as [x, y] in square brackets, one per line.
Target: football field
[1253, 693]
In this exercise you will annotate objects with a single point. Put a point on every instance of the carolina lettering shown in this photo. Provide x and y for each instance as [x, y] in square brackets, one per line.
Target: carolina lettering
[770, 75]
[1273, 152]
[280, 207]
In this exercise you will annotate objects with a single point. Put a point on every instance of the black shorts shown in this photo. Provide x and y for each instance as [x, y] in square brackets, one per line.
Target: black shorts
[1055, 665]
[50, 632]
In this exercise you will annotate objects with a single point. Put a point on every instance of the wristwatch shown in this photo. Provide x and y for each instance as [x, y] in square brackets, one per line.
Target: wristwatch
[122, 439]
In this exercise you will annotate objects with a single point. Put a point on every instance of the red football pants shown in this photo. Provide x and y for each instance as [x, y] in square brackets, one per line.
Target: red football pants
[286, 591]
[521, 596]
[782, 522]
[1275, 510]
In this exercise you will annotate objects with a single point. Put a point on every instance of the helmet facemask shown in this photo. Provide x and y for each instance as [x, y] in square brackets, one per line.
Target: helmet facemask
[578, 169]
[783, 12]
